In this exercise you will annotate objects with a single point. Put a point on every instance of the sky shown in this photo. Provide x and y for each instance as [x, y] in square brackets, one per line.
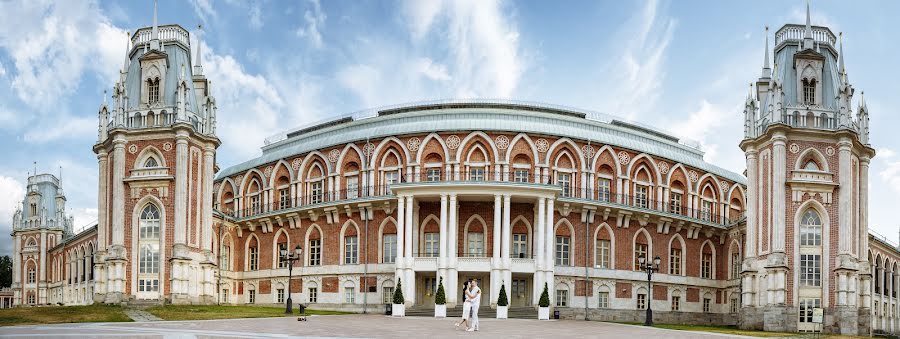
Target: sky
[682, 66]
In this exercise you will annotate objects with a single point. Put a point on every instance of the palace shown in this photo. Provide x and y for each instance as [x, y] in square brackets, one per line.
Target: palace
[514, 194]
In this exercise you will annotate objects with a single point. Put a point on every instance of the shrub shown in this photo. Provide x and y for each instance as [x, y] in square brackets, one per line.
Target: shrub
[545, 298]
[398, 293]
[440, 298]
[502, 300]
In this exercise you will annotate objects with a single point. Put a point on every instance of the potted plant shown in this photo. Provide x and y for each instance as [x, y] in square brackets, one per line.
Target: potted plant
[398, 309]
[440, 301]
[544, 305]
[502, 303]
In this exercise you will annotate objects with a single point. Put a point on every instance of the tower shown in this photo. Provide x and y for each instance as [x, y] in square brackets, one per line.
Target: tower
[807, 167]
[156, 151]
[39, 224]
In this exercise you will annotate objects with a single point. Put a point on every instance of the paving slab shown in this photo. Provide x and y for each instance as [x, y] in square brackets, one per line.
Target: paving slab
[349, 326]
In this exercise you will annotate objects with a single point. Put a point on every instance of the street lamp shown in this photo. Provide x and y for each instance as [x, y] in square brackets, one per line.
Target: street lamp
[649, 268]
[291, 258]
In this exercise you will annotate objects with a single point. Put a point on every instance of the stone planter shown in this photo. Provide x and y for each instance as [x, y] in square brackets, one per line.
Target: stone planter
[440, 311]
[543, 313]
[398, 310]
[502, 312]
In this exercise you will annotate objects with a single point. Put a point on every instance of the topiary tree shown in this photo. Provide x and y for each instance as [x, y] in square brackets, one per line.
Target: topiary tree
[545, 297]
[502, 300]
[440, 298]
[398, 293]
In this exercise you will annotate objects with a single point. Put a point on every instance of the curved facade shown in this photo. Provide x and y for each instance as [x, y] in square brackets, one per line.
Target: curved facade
[512, 194]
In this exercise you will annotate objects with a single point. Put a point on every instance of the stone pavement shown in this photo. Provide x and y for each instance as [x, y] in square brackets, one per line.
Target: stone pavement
[348, 326]
[140, 316]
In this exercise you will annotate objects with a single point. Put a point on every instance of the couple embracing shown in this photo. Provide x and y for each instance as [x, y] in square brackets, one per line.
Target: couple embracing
[472, 295]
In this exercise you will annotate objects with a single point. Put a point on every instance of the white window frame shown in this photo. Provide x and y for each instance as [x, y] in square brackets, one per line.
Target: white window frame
[603, 299]
[563, 250]
[432, 245]
[351, 250]
[313, 294]
[562, 297]
[564, 181]
[432, 174]
[641, 195]
[641, 301]
[520, 245]
[604, 188]
[315, 252]
[389, 248]
[352, 184]
[603, 253]
[521, 175]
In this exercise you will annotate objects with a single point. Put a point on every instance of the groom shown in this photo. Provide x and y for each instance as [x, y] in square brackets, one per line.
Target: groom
[475, 292]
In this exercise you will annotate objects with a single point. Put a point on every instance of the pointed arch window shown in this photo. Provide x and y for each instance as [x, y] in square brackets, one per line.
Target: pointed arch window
[809, 91]
[811, 165]
[148, 263]
[153, 91]
[151, 162]
[811, 229]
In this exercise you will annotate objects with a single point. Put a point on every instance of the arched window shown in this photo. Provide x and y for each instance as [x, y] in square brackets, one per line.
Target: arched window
[153, 91]
[811, 229]
[151, 162]
[707, 261]
[148, 263]
[253, 255]
[811, 165]
[809, 91]
[32, 276]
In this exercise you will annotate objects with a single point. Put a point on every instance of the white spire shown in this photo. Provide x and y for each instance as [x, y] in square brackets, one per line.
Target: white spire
[862, 102]
[808, 33]
[127, 45]
[198, 65]
[154, 34]
[766, 71]
[843, 71]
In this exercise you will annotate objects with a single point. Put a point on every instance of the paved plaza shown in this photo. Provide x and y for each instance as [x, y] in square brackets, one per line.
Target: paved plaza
[348, 326]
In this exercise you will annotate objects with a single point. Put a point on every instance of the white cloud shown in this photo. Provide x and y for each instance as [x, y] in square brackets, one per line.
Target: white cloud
[890, 174]
[313, 20]
[12, 193]
[53, 44]
[420, 15]
[2, 70]
[638, 73]
[62, 126]
[886, 153]
[248, 105]
[204, 9]
[432, 70]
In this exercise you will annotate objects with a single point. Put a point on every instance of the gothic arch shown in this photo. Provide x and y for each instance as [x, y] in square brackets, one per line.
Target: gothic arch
[306, 239]
[476, 218]
[344, 152]
[421, 232]
[227, 245]
[275, 254]
[388, 221]
[608, 150]
[384, 142]
[653, 168]
[355, 228]
[604, 227]
[148, 152]
[568, 142]
[252, 173]
[247, 251]
[221, 192]
[684, 171]
[568, 226]
[512, 225]
[464, 144]
[528, 141]
[634, 242]
[709, 179]
[683, 260]
[713, 263]
[440, 141]
[279, 165]
[735, 245]
[311, 159]
[814, 155]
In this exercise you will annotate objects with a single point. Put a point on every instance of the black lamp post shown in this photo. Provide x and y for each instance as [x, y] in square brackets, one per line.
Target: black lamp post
[649, 268]
[291, 258]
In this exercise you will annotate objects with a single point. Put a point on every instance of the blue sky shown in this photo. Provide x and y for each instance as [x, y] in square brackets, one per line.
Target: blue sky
[683, 66]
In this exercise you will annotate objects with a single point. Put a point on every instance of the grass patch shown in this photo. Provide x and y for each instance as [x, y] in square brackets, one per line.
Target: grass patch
[62, 314]
[209, 312]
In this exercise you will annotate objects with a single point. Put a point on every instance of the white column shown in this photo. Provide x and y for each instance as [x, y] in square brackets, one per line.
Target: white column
[506, 241]
[845, 181]
[778, 209]
[752, 186]
[118, 221]
[401, 228]
[538, 250]
[497, 231]
[42, 269]
[548, 248]
[452, 227]
[409, 226]
[863, 234]
[208, 175]
[444, 235]
[102, 225]
[181, 171]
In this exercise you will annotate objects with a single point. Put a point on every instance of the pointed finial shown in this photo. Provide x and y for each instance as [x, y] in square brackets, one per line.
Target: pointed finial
[127, 49]
[841, 54]
[104, 97]
[35, 168]
[750, 93]
[862, 100]
[766, 72]
[808, 34]
[199, 59]
[155, 31]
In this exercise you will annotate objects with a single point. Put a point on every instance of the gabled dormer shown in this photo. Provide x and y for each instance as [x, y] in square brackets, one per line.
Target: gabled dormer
[154, 65]
[809, 64]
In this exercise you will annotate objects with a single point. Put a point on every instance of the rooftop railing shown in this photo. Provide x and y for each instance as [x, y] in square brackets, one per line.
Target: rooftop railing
[166, 33]
[798, 32]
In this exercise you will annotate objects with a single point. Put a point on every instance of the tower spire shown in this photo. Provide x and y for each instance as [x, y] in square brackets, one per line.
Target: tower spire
[154, 34]
[766, 71]
[807, 35]
[198, 65]
[127, 49]
[843, 71]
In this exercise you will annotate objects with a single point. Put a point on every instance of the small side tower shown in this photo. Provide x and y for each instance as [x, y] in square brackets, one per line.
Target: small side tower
[807, 168]
[156, 152]
[39, 224]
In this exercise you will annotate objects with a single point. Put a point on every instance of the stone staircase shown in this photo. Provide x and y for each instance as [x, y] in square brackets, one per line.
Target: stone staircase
[141, 304]
[483, 312]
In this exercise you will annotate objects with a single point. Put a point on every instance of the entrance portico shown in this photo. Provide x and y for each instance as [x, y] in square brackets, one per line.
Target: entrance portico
[473, 246]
